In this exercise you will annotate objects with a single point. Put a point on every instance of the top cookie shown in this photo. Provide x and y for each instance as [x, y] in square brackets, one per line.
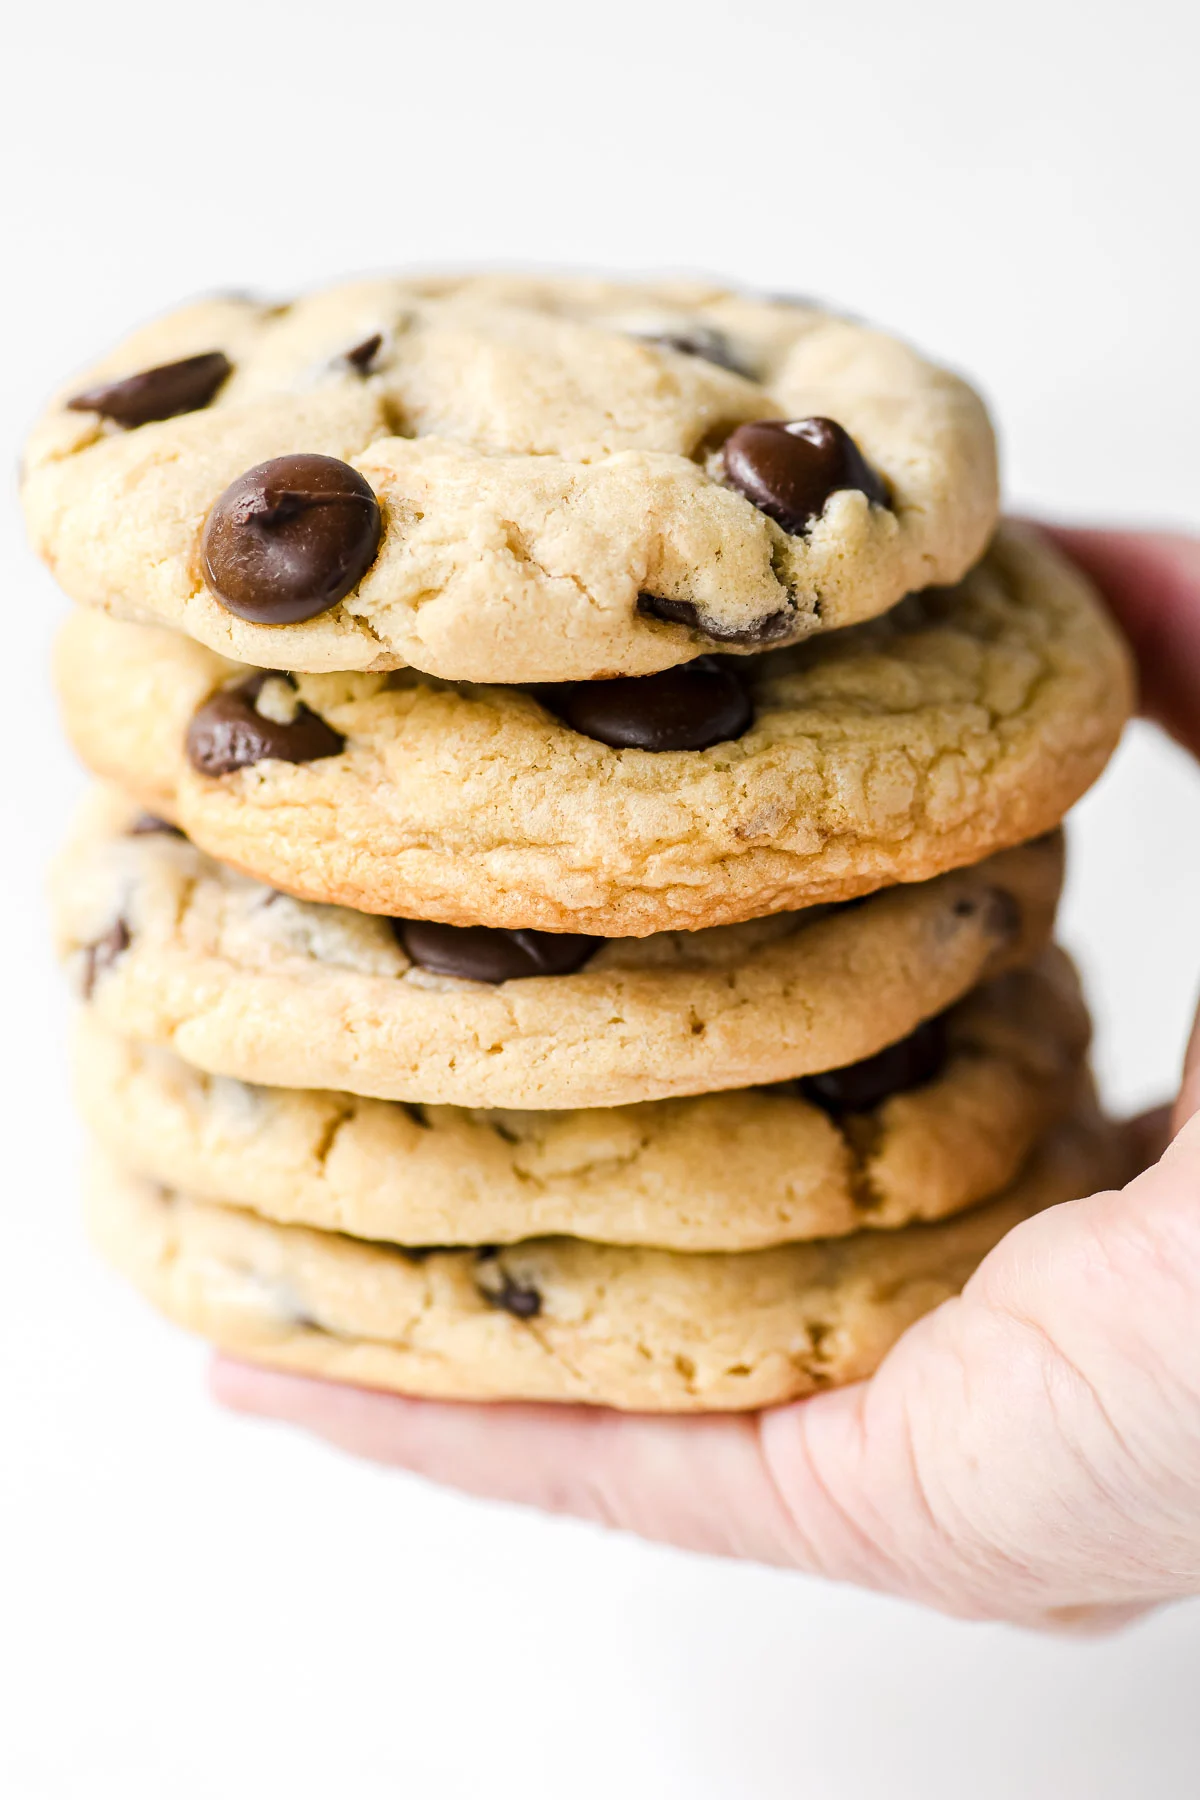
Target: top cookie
[532, 480]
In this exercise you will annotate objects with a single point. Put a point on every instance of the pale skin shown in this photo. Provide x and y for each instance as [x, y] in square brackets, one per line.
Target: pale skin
[1029, 1452]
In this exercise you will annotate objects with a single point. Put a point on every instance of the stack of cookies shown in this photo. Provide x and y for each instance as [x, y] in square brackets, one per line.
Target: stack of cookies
[567, 909]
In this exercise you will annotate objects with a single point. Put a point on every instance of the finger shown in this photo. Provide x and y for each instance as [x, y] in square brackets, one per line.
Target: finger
[703, 1484]
[1151, 580]
[1188, 1103]
[1149, 1134]
[699, 1483]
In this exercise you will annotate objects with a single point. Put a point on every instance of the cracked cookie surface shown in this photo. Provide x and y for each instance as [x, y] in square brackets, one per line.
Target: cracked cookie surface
[559, 1319]
[966, 720]
[730, 1171]
[177, 950]
[546, 458]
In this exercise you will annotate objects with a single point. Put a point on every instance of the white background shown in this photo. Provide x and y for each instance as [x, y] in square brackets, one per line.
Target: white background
[198, 1607]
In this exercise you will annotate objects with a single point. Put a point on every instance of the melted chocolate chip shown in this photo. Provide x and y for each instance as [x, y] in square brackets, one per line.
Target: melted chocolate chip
[691, 707]
[477, 953]
[515, 1297]
[290, 538]
[790, 468]
[860, 1086]
[703, 341]
[228, 732]
[150, 825]
[103, 954]
[161, 393]
[364, 354]
[685, 612]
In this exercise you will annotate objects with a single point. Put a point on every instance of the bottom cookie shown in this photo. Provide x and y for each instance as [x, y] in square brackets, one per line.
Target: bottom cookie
[558, 1318]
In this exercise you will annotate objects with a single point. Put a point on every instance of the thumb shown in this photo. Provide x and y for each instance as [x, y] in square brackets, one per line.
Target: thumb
[1034, 1445]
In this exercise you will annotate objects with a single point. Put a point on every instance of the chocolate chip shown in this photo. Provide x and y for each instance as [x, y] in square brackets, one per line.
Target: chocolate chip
[478, 953]
[518, 1298]
[150, 825]
[691, 707]
[703, 341]
[364, 354]
[860, 1086]
[790, 468]
[521, 1302]
[290, 538]
[228, 732]
[1001, 912]
[103, 954]
[685, 612]
[161, 393]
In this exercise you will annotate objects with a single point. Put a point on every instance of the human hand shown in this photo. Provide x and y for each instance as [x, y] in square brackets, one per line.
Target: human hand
[1028, 1452]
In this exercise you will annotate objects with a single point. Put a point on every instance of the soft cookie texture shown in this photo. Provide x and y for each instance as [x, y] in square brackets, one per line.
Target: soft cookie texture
[560, 1319]
[546, 457]
[734, 1171]
[967, 720]
[179, 951]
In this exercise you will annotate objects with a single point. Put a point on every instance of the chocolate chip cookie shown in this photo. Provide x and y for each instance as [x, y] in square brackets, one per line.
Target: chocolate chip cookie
[501, 478]
[177, 950]
[967, 720]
